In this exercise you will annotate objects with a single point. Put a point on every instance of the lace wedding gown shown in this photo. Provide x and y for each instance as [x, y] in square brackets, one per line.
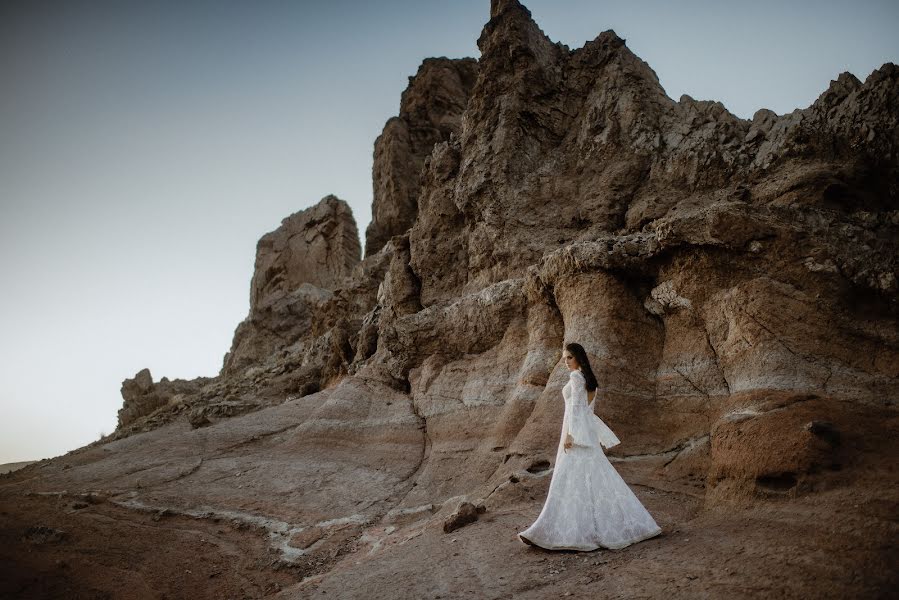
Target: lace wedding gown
[588, 505]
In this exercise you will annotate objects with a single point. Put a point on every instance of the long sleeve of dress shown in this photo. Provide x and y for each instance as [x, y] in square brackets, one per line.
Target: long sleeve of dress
[579, 426]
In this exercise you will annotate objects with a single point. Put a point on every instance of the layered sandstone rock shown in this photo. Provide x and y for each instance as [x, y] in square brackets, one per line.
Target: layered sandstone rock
[298, 267]
[733, 282]
[559, 146]
[702, 260]
[142, 397]
[430, 112]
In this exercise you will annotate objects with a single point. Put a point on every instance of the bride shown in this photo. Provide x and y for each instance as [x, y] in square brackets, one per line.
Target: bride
[588, 505]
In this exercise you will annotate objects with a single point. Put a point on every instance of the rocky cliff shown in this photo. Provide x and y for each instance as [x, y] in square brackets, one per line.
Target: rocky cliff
[430, 112]
[734, 283]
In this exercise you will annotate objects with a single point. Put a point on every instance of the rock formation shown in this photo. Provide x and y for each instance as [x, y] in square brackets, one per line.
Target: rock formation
[298, 266]
[154, 402]
[430, 112]
[733, 282]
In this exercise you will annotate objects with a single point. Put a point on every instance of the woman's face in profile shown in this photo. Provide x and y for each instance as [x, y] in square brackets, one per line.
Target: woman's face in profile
[570, 360]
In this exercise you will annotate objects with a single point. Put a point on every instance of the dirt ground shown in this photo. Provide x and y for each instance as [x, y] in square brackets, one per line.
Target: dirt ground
[837, 543]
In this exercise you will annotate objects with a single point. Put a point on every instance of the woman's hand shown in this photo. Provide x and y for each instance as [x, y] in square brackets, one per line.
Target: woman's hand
[568, 442]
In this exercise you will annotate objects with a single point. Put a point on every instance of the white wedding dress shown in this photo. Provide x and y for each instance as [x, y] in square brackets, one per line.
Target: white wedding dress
[588, 505]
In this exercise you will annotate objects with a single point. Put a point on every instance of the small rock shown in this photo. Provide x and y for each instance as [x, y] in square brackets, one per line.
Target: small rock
[465, 514]
[162, 513]
[93, 498]
[824, 430]
[40, 534]
[307, 537]
[197, 418]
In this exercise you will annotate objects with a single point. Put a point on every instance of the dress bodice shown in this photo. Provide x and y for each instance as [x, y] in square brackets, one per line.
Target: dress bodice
[572, 399]
[567, 392]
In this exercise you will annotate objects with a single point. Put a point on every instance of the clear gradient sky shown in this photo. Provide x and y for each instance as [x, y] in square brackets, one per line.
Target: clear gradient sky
[146, 146]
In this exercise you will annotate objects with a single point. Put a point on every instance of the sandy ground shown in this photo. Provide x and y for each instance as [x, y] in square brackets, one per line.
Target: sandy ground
[837, 543]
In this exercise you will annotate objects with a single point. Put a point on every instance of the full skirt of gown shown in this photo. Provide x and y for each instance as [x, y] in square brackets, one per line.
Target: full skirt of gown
[588, 505]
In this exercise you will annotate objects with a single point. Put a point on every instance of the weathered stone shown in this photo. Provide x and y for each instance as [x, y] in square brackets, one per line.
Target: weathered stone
[142, 397]
[430, 112]
[465, 514]
[733, 281]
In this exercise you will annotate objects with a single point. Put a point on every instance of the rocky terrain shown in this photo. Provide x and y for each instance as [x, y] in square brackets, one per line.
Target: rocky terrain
[384, 424]
[10, 467]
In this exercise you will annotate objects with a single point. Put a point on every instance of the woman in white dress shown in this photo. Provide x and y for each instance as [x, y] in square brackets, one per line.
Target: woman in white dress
[588, 505]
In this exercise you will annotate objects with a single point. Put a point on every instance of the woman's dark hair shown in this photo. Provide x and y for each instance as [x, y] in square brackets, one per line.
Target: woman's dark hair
[581, 356]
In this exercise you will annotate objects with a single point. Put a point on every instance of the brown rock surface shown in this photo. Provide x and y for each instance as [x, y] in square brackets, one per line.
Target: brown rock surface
[733, 282]
[10, 467]
[298, 266]
[430, 112]
[142, 398]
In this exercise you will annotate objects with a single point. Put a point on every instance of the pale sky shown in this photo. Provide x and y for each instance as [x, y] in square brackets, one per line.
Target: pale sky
[146, 146]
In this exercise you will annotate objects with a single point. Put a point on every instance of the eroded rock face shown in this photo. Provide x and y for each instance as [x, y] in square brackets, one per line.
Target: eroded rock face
[701, 260]
[318, 245]
[430, 112]
[698, 257]
[562, 145]
[734, 283]
[298, 265]
[142, 397]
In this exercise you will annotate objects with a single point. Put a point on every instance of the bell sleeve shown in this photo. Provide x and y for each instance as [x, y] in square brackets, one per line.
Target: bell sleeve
[579, 423]
[607, 437]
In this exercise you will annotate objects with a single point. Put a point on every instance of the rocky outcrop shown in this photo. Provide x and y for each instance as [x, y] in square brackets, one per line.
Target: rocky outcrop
[318, 246]
[430, 112]
[734, 283]
[701, 259]
[142, 397]
[297, 268]
[560, 146]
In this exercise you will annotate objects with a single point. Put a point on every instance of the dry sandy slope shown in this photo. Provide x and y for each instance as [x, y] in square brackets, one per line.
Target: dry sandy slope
[836, 543]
